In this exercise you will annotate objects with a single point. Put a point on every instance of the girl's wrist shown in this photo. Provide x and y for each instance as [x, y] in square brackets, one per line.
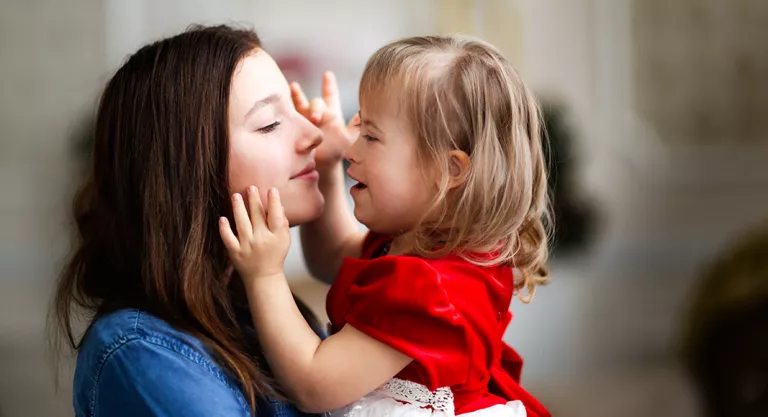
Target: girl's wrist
[329, 167]
[258, 281]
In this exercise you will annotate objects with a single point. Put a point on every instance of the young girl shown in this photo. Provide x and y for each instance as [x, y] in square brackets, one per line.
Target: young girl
[451, 183]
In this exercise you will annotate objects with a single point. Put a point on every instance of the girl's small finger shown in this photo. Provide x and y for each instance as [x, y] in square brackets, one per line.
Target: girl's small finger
[316, 110]
[227, 236]
[242, 222]
[258, 216]
[299, 99]
[331, 92]
[275, 214]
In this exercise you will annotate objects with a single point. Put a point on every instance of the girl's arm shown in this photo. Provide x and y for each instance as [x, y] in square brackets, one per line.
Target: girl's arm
[335, 234]
[317, 375]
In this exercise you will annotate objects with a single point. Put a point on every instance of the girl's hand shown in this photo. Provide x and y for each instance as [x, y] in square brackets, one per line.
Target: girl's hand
[262, 240]
[326, 114]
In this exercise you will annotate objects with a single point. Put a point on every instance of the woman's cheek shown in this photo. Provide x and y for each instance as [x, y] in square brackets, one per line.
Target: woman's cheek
[245, 168]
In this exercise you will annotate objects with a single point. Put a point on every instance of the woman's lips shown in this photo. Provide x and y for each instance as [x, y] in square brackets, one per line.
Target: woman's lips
[308, 173]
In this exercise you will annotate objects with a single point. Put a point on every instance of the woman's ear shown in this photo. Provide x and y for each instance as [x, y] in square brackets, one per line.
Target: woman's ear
[458, 168]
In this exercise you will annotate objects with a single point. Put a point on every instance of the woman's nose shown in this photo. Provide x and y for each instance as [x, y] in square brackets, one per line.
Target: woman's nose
[311, 137]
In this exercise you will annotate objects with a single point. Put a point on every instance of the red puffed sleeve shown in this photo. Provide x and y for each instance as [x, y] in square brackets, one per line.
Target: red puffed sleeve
[399, 301]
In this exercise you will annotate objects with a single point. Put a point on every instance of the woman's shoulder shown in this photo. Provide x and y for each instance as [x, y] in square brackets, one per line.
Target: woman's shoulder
[141, 332]
[114, 329]
[131, 361]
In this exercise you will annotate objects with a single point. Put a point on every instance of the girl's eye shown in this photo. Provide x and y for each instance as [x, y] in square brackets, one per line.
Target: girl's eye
[269, 128]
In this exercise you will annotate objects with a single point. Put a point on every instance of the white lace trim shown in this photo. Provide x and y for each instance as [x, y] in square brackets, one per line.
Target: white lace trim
[420, 396]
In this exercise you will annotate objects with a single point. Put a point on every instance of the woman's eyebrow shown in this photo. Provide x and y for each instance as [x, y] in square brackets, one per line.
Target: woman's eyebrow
[270, 99]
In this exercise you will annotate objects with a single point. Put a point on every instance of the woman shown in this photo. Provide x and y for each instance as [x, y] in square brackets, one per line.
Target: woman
[183, 124]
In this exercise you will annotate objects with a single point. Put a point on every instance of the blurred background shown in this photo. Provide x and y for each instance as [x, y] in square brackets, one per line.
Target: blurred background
[658, 301]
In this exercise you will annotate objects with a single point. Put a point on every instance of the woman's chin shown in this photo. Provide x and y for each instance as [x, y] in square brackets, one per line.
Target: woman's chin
[305, 211]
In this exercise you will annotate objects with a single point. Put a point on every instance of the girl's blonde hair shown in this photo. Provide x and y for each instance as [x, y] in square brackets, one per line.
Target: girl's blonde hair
[459, 93]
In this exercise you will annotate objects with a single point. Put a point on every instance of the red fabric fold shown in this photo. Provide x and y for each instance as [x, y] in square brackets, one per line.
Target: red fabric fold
[447, 314]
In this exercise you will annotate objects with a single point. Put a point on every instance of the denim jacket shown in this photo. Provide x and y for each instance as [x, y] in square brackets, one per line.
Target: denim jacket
[134, 364]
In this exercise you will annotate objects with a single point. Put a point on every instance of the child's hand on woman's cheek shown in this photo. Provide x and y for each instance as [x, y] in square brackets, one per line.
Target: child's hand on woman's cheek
[259, 249]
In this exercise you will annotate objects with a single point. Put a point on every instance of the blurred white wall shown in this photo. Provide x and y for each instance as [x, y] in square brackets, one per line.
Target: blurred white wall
[608, 326]
[52, 57]
[336, 35]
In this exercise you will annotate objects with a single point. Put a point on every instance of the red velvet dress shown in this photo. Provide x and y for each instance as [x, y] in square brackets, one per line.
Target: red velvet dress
[448, 315]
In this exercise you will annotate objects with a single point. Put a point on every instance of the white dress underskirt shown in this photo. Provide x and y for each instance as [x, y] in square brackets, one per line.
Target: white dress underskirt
[401, 398]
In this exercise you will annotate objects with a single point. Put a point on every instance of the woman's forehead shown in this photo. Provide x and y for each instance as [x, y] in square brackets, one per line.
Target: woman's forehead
[256, 79]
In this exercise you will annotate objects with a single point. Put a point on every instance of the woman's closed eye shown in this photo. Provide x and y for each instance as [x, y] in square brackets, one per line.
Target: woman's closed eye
[269, 128]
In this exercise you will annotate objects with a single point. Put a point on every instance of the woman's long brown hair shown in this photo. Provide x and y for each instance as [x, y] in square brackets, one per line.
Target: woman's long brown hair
[147, 214]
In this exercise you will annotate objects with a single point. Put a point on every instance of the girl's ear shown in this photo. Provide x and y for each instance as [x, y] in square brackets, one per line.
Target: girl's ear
[458, 168]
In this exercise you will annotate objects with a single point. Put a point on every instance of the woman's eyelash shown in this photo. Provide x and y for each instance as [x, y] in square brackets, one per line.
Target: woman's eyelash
[269, 128]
